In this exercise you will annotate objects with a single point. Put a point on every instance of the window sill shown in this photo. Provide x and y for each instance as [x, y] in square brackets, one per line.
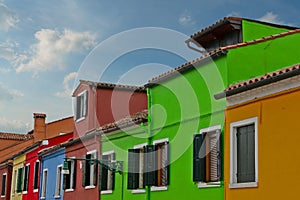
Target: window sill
[90, 187]
[243, 185]
[43, 197]
[80, 119]
[106, 192]
[138, 191]
[69, 190]
[2, 196]
[160, 188]
[35, 190]
[209, 185]
[25, 192]
[56, 197]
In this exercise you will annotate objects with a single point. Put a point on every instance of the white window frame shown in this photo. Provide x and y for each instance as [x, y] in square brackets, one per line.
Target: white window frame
[83, 106]
[138, 191]
[24, 168]
[159, 188]
[210, 130]
[108, 174]
[91, 185]
[72, 174]
[4, 174]
[58, 184]
[44, 184]
[34, 172]
[233, 152]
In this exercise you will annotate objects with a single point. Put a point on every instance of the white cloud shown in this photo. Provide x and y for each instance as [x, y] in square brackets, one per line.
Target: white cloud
[15, 126]
[66, 84]
[51, 49]
[8, 19]
[271, 18]
[186, 19]
[7, 50]
[9, 94]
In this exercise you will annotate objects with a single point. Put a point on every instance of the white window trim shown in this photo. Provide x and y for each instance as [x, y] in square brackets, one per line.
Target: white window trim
[105, 154]
[44, 182]
[159, 188]
[36, 190]
[25, 192]
[56, 183]
[91, 186]
[139, 191]
[71, 189]
[81, 118]
[233, 127]
[210, 184]
[5, 184]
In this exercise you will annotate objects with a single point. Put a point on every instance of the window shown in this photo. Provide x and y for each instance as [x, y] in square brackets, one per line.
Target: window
[156, 165]
[36, 176]
[26, 178]
[4, 180]
[90, 170]
[81, 105]
[70, 179]
[207, 158]
[58, 181]
[14, 182]
[243, 153]
[136, 171]
[107, 175]
[44, 183]
[20, 180]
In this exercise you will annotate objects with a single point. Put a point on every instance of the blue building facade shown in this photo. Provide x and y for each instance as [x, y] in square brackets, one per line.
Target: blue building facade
[51, 178]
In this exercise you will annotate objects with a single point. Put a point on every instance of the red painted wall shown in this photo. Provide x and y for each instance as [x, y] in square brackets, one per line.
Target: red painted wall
[32, 157]
[78, 150]
[6, 168]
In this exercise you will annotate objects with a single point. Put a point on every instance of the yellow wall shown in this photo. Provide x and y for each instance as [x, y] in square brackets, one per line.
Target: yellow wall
[278, 147]
[18, 163]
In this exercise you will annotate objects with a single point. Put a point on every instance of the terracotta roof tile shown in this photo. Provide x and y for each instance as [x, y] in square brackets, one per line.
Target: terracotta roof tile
[269, 76]
[15, 136]
[138, 117]
[272, 37]
[112, 85]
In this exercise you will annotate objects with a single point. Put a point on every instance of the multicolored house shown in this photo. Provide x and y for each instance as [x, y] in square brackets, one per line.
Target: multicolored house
[262, 137]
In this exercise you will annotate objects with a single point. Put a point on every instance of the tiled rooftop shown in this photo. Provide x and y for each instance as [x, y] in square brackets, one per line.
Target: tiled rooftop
[14, 136]
[112, 85]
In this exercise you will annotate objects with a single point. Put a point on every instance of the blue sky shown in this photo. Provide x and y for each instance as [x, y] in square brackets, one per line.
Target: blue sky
[44, 43]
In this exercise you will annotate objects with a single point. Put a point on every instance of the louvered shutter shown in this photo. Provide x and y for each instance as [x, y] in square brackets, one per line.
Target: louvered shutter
[19, 180]
[103, 173]
[165, 164]
[199, 160]
[219, 155]
[74, 175]
[113, 157]
[133, 175]
[150, 165]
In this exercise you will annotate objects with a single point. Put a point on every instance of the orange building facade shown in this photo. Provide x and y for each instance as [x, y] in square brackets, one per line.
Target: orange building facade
[262, 137]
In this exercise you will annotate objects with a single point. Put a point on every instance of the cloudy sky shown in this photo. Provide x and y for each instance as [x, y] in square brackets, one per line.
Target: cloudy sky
[44, 43]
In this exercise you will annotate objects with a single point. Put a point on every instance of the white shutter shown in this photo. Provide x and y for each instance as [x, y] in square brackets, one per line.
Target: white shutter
[213, 141]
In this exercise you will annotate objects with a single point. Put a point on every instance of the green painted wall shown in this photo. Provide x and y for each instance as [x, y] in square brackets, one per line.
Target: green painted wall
[252, 30]
[258, 59]
[120, 143]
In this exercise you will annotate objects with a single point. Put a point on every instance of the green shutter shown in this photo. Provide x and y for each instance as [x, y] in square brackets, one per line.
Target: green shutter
[150, 165]
[133, 166]
[19, 180]
[104, 173]
[199, 161]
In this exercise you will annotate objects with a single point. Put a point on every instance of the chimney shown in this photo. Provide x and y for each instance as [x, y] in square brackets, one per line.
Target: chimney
[39, 131]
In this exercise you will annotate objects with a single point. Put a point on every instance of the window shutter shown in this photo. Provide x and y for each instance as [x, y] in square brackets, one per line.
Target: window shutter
[166, 164]
[113, 173]
[65, 177]
[103, 173]
[84, 171]
[95, 176]
[219, 155]
[150, 165]
[199, 161]
[85, 103]
[133, 169]
[19, 181]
